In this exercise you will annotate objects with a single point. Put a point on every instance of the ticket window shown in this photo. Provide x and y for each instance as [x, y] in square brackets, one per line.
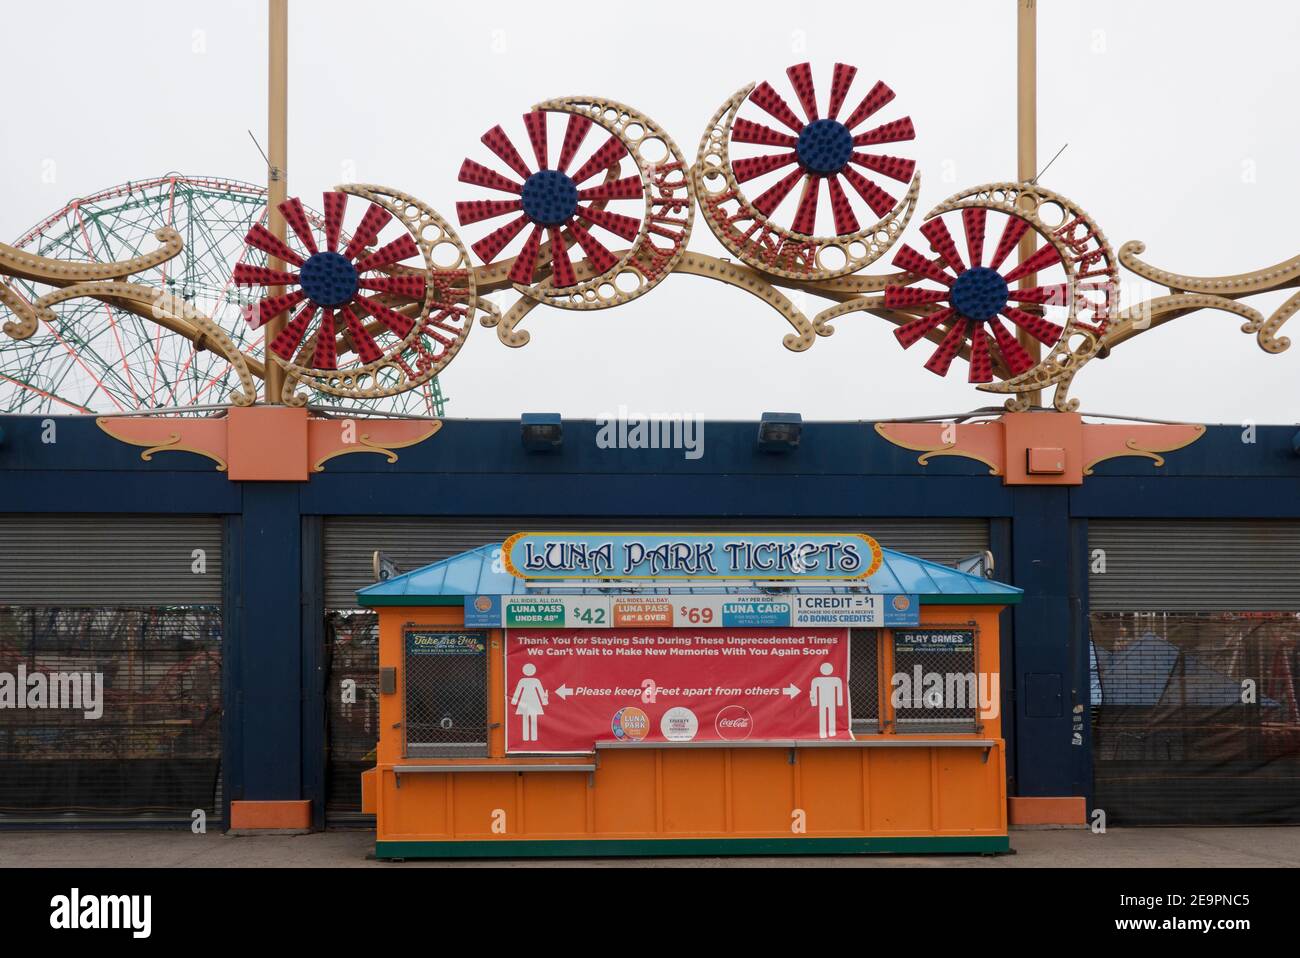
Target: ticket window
[864, 680]
[446, 693]
[935, 687]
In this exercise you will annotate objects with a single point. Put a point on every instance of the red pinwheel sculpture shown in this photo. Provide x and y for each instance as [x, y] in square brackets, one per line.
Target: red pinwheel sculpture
[333, 284]
[823, 149]
[975, 294]
[554, 202]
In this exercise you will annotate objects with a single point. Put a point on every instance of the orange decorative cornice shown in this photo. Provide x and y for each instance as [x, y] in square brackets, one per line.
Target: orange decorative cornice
[326, 439]
[1138, 440]
[203, 437]
[1040, 448]
[981, 441]
[268, 443]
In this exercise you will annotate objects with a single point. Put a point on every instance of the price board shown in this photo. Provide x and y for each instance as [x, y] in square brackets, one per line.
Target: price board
[708, 611]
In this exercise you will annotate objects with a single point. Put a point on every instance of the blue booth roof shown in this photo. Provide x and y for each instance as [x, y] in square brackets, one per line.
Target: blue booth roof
[473, 573]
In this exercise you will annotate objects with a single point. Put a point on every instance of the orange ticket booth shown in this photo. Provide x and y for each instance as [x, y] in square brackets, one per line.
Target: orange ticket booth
[583, 694]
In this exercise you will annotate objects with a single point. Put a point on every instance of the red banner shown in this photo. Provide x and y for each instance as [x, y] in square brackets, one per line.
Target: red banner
[567, 689]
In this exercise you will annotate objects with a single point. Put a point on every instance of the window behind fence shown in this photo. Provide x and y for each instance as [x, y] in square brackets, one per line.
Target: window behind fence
[121, 712]
[1196, 718]
[446, 693]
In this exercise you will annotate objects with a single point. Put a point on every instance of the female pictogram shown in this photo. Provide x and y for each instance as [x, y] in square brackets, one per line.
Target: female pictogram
[530, 701]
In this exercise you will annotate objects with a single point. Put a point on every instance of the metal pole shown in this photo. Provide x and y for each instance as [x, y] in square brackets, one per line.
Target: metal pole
[277, 135]
[1027, 143]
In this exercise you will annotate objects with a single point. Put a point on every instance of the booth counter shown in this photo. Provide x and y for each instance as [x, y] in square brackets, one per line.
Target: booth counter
[525, 714]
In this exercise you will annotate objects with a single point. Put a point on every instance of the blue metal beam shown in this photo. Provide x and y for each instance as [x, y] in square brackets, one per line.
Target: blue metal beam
[270, 635]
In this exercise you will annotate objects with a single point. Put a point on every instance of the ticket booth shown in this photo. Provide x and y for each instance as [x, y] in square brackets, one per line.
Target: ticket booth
[687, 694]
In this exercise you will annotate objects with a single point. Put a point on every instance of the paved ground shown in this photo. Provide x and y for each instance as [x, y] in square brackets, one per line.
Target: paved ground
[1140, 847]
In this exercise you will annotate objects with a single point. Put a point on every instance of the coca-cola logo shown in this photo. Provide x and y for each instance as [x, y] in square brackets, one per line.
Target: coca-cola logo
[733, 723]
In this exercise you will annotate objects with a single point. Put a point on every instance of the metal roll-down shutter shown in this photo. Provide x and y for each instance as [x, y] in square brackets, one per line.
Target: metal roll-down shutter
[1195, 629]
[111, 630]
[106, 561]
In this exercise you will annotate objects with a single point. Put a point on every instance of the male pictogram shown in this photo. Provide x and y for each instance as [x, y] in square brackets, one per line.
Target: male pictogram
[826, 694]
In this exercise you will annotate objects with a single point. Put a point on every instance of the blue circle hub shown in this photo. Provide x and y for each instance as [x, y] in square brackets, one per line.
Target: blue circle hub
[824, 146]
[979, 294]
[550, 198]
[328, 279]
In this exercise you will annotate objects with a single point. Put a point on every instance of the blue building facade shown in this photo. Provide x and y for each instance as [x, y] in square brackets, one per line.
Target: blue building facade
[277, 686]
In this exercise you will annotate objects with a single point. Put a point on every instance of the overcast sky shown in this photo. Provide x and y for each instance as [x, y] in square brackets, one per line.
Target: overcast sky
[1181, 119]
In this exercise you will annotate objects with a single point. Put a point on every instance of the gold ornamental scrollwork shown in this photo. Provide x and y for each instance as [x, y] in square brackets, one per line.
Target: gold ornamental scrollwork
[770, 166]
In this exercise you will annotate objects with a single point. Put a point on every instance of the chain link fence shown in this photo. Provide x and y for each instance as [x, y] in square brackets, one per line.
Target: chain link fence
[935, 688]
[1196, 717]
[121, 716]
[352, 716]
[446, 694]
[864, 680]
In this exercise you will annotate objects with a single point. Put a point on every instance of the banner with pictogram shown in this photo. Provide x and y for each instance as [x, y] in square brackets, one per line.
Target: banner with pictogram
[567, 689]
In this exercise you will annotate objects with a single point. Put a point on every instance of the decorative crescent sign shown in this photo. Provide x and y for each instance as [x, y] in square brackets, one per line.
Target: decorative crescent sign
[811, 151]
[602, 213]
[408, 329]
